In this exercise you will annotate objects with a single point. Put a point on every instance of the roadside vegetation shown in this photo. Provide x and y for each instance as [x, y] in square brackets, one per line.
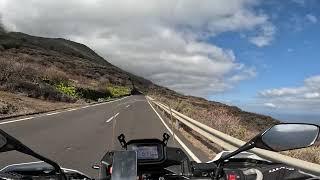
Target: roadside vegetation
[230, 120]
[55, 70]
[49, 84]
[118, 91]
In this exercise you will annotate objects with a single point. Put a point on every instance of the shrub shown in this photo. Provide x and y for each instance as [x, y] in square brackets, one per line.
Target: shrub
[11, 44]
[6, 108]
[6, 70]
[11, 71]
[37, 90]
[118, 91]
[49, 92]
[92, 94]
[67, 89]
[53, 75]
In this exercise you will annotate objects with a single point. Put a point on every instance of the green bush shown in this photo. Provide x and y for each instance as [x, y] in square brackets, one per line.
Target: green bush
[92, 94]
[11, 44]
[118, 91]
[67, 89]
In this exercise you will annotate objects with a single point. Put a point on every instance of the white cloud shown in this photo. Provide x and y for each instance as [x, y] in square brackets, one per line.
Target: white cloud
[265, 36]
[283, 92]
[299, 2]
[270, 105]
[290, 50]
[312, 95]
[164, 41]
[305, 97]
[247, 73]
[312, 18]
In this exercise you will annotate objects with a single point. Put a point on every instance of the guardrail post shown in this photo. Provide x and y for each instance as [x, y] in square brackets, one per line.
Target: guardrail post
[177, 125]
[172, 124]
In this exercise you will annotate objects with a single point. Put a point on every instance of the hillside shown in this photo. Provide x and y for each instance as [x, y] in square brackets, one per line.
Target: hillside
[58, 70]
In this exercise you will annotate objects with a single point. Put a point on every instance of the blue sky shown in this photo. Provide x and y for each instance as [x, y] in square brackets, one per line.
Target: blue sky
[287, 61]
[259, 55]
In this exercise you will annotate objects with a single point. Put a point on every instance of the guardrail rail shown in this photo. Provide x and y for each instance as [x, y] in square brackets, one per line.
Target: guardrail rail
[230, 143]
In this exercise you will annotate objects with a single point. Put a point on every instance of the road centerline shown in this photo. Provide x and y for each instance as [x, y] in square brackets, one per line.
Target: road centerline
[114, 116]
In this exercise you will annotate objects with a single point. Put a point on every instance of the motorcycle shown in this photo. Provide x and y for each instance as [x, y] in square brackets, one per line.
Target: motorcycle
[153, 159]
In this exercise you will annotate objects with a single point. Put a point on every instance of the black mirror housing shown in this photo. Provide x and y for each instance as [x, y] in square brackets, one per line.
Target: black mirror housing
[288, 136]
[12, 144]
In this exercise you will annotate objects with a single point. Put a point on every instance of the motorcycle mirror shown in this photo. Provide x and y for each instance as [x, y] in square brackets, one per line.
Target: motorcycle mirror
[9, 143]
[280, 137]
[283, 137]
[3, 141]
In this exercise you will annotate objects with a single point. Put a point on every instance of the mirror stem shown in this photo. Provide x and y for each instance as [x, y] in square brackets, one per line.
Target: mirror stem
[247, 146]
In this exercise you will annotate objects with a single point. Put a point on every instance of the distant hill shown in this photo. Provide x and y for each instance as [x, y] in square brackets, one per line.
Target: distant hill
[63, 54]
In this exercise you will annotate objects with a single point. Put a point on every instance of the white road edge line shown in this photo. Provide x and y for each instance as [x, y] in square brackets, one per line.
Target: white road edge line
[53, 113]
[191, 154]
[49, 114]
[24, 119]
[110, 119]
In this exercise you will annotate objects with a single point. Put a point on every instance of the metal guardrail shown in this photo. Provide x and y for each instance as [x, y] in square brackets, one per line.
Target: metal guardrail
[230, 143]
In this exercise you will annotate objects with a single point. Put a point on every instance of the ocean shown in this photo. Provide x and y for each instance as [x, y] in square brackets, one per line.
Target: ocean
[297, 118]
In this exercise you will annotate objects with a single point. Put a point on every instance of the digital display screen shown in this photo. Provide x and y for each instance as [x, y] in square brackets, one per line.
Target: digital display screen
[147, 152]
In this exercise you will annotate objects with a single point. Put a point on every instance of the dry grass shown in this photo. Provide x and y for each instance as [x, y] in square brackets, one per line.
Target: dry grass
[230, 121]
[222, 118]
[311, 154]
[209, 148]
[28, 78]
[24, 105]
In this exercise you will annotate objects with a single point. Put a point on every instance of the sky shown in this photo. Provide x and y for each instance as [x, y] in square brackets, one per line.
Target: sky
[259, 55]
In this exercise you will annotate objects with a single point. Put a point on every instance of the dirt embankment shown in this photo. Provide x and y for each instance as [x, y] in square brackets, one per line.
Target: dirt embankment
[15, 104]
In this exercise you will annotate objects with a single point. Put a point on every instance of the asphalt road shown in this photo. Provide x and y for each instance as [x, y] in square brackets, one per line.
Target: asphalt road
[78, 138]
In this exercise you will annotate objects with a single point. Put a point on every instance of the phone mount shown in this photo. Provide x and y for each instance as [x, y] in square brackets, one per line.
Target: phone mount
[122, 140]
[166, 138]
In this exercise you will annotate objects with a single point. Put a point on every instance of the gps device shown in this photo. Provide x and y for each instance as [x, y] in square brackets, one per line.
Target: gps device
[148, 150]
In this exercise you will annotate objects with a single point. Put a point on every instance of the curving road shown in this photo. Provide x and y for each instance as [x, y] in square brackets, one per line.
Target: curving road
[78, 138]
